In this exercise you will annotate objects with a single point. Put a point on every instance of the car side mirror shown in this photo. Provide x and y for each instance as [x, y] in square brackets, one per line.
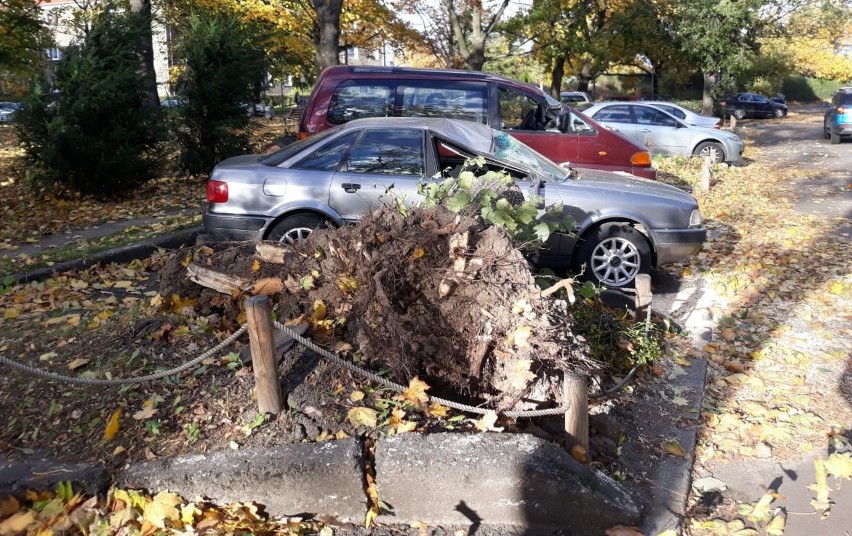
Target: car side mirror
[563, 122]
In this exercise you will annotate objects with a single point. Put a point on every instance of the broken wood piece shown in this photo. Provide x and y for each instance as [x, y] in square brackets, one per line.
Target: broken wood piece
[224, 283]
[566, 284]
[643, 297]
[271, 252]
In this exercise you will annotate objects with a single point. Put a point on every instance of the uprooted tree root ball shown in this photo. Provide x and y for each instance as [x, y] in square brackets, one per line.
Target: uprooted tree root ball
[431, 294]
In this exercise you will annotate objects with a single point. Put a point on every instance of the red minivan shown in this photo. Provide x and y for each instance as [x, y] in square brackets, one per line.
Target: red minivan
[563, 134]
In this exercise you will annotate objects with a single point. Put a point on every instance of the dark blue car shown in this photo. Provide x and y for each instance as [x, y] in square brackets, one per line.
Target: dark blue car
[838, 118]
[753, 105]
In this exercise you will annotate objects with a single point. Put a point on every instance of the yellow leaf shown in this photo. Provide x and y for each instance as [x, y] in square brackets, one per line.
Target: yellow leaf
[11, 313]
[188, 513]
[17, 523]
[255, 266]
[356, 396]
[418, 254]
[347, 283]
[399, 424]
[416, 392]
[361, 416]
[112, 426]
[162, 508]
[123, 284]
[674, 448]
[839, 465]
[487, 422]
[341, 435]
[8, 505]
[182, 331]
[776, 526]
[520, 375]
[268, 286]
[186, 260]
[437, 410]
[761, 509]
[77, 363]
[319, 311]
[821, 501]
[579, 454]
[836, 287]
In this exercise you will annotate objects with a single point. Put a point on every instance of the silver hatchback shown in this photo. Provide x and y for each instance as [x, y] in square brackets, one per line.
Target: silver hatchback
[624, 225]
[662, 133]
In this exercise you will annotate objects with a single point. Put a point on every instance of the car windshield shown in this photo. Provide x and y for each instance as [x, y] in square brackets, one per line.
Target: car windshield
[509, 148]
[279, 156]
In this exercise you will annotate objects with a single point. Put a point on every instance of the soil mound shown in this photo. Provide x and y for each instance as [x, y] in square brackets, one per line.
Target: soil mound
[432, 294]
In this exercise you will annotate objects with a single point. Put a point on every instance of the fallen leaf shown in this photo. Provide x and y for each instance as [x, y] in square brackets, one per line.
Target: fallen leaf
[145, 413]
[674, 448]
[579, 453]
[776, 526]
[77, 363]
[255, 266]
[361, 416]
[162, 508]
[112, 425]
[11, 313]
[8, 505]
[17, 523]
[416, 391]
[487, 422]
[437, 410]
[356, 396]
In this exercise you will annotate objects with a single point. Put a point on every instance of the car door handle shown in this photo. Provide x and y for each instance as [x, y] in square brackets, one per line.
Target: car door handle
[645, 130]
[350, 187]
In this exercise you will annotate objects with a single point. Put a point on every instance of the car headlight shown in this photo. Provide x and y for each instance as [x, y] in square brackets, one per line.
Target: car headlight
[695, 218]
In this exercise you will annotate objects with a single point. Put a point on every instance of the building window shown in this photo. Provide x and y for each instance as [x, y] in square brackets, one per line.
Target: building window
[53, 54]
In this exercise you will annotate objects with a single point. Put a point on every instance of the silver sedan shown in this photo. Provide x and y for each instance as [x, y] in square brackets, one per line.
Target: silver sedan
[624, 225]
[663, 133]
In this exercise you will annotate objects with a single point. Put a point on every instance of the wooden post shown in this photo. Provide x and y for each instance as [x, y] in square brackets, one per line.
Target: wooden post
[643, 297]
[575, 394]
[262, 343]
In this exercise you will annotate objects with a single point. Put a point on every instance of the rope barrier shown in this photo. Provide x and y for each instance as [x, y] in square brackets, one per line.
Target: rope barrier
[123, 381]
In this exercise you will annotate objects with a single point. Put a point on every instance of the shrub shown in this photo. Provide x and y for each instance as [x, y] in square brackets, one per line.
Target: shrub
[94, 133]
[224, 67]
[802, 89]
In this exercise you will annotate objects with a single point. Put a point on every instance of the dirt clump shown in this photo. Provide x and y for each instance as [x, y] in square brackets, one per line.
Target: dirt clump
[431, 294]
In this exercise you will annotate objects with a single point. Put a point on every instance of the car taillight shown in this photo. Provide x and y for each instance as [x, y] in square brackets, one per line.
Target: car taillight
[217, 192]
[642, 158]
[842, 110]
[301, 135]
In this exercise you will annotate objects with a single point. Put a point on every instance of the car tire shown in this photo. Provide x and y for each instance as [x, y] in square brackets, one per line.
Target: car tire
[779, 113]
[825, 133]
[613, 254]
[835, 138]
[739, 113]
[295, 228]
[705, 148]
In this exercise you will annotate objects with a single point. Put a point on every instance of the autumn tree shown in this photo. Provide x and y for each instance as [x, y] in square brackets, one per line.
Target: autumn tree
[23, 41]
[811, 38]
[94, 135]
[223, 62]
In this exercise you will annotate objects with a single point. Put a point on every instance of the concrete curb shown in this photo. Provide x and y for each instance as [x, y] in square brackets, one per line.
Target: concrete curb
[38, 472]
[122, 254]
[512, 483]
[288, 480]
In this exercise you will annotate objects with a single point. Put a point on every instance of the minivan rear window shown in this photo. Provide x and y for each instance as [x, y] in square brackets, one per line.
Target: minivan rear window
[356, 99]
[464, 103]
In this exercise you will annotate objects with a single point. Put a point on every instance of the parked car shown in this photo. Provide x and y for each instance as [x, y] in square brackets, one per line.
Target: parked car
[574, 97]
[753, 105]
[170, 103]
[563, 134]
[624, 224]
[837, 121]
[663, 133]
[8, 111]
[685, 115]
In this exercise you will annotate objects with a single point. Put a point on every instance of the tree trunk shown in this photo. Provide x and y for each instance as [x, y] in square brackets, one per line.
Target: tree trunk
[706, 98]
[146, 51]
[585, 77]
[556, 75]
[327, 35]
